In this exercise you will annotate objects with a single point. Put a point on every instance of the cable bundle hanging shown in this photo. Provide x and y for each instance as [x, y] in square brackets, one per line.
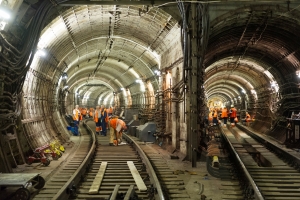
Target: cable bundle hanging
[16, 60]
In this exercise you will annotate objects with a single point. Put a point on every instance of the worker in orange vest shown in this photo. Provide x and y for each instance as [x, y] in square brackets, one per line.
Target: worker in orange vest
[104, 120]
[83, 112]
[76, 119]
[116, 127]
[91, 113]
[110, 111]
[232, 115]
[210, 117]
[248, 117]
[224, 115]
[215, 116]
[97, 119]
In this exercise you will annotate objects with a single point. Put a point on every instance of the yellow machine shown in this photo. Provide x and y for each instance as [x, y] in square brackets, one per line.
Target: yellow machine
[55, 150]
[57, 145]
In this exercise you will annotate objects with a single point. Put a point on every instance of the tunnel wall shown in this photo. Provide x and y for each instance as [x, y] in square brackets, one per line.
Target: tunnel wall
[41, 121]
[171, 61]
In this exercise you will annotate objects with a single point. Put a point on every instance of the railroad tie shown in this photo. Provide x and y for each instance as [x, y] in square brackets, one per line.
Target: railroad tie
[98, 179]
[137, 177]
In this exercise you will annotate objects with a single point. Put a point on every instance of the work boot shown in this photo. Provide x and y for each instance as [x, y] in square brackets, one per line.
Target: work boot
[111, 144]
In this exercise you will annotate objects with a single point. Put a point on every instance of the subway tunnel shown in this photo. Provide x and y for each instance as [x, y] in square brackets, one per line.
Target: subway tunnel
[176, 58]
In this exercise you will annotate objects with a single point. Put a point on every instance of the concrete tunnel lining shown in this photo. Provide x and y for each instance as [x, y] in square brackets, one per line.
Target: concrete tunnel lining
[264, 49]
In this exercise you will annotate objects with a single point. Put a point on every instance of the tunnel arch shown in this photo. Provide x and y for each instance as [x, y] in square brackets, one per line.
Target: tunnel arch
[249, 40]
[101, 49]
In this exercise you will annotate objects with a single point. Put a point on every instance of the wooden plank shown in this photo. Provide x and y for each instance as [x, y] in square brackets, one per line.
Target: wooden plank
[98, 179]
[115, 193]
[137, 177]
[130, 193]
[262, 180]
[278, 185]
[281, 194]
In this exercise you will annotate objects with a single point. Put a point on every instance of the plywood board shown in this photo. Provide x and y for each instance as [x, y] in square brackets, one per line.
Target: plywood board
[98, 179]
[136, 176]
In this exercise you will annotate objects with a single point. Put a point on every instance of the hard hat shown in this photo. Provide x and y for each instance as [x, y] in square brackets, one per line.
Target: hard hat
[231, 106]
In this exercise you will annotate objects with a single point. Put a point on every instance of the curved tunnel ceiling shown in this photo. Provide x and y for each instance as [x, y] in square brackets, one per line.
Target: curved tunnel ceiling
[252, 49]
[105, 48]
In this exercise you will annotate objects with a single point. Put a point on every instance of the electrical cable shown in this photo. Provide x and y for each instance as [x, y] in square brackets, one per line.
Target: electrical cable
[17, 62]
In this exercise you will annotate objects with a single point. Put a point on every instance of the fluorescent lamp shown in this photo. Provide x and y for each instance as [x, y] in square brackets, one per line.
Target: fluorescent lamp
[4, 14]
[41, 53]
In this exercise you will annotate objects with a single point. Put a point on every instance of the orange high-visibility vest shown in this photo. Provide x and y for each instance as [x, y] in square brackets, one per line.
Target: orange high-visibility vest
[248, 118]
[96, 116]
[233, 113]
[224, 112]
[210, 117]
[215, 114]
[91, 112]
[76, 116]
[83, 111]
[113, 123]
[102, 113]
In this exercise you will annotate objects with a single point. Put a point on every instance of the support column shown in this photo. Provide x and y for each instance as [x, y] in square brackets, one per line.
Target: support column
[193, 104]
[195, 37]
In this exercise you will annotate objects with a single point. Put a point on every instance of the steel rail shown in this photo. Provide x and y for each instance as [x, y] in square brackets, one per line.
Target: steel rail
[257, 193]
[70, 186]
[273, 146]
[149, 168]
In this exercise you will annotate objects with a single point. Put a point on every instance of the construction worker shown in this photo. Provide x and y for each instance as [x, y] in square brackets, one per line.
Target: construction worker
[83, 112]
[215, 116]
[247, 119]
[224, 115]
[91, 112]
[76, 119]
[232, 115]
[104, 120]
[210, 117]
[97, 119]
[110, 111]
[116, 127]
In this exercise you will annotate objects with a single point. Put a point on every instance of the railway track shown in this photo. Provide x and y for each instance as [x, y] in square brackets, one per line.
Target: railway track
[173, 187]
[268, 175]
[64, 173]
[118, 171]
